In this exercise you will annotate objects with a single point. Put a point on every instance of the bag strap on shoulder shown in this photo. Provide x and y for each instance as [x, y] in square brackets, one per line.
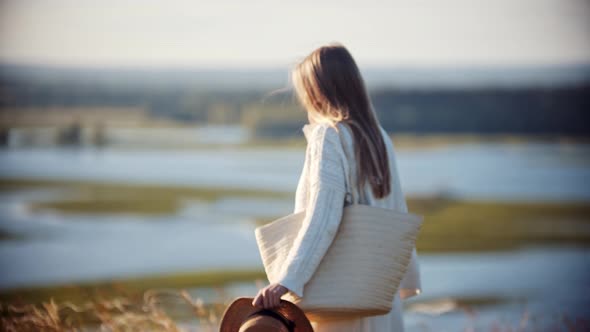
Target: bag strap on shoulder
[350, 188]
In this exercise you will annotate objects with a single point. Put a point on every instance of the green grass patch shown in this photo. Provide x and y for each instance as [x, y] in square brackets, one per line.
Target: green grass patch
[456, 225]
[111, 198]
[110, 206]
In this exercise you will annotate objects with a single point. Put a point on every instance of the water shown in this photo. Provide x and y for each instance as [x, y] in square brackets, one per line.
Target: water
[69, 248]
[196, 236]
[201, 236]
[494, 171]
[540, 281]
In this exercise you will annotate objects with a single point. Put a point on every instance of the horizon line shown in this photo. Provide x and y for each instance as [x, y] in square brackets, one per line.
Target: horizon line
[258, 67]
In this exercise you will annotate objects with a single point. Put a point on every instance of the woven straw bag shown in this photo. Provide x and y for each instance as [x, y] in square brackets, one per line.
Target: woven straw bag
[363, 267]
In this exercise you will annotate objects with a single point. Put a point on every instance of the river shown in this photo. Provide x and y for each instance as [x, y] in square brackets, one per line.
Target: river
[533, 171]
[60, 248]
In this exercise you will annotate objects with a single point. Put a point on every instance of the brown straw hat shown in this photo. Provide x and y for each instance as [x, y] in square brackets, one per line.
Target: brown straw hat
[242, 316]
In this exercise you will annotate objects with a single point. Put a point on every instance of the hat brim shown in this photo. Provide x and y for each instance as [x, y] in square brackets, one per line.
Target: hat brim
[241, 308]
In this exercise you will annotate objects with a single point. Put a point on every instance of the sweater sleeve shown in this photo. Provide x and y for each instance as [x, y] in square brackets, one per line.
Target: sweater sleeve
[325, 203]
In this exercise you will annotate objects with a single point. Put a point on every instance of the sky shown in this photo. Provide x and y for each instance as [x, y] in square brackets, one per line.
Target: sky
[224, 33]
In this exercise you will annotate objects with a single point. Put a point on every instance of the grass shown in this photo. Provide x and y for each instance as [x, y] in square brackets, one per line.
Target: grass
[166, 310]
[450, 224]
[156, 310]
[131, 287]
[458, 225]
[150, 303]
[109, 198]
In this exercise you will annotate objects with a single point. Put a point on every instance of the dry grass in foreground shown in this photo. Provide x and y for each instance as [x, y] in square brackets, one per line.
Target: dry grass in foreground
[164, 310]
[159, 311]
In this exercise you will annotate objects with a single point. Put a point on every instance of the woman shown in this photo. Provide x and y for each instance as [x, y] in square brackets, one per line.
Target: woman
[329, 86]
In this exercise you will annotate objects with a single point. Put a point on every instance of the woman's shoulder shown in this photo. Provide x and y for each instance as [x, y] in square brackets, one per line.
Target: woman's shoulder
[325, 142]
[322, 133]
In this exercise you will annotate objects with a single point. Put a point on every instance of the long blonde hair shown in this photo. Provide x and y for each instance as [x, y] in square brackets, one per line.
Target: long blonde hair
[330, 87]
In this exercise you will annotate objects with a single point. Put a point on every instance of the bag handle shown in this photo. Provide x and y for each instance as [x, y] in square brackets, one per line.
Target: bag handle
[350, 188]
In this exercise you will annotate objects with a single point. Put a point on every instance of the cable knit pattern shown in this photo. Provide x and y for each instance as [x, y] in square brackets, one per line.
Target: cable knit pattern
[321, 190]
[326, 191]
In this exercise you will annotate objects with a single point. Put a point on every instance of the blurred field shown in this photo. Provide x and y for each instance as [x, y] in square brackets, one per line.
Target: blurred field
[159, 302]
[450, 224]
[107, 198]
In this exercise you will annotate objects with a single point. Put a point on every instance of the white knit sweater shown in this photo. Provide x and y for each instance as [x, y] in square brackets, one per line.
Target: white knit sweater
[321, 190]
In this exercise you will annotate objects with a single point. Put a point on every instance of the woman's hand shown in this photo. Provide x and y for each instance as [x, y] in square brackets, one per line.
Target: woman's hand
[269, 296]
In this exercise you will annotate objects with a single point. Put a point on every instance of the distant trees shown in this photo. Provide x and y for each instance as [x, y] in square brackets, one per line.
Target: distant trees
[526, 110]
[559, 110]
